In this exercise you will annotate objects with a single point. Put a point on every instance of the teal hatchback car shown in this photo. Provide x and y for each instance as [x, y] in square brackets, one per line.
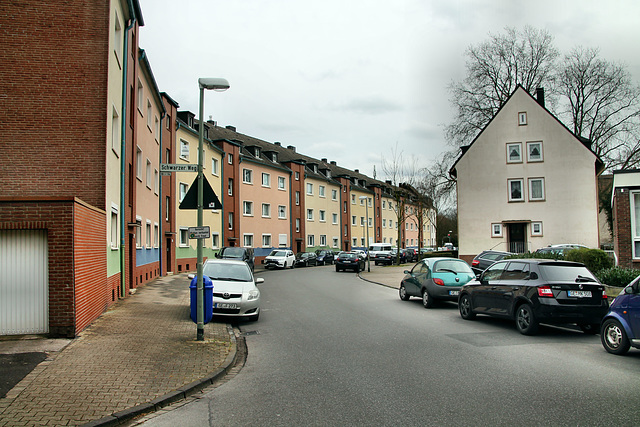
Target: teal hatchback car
[435, 279]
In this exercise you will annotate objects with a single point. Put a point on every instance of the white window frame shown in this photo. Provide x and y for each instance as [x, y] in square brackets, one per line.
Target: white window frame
[353, 199]
[139, 163]
[323, 240]
[517, 146]
[266, 210]
[322, 216]
[156, 234]
[309, 214]
[183, 236]
[538, 225]
[114, 227]
[309, 189]
[509, 189]
[522, 118]
[266, 180]
[156, 181]
[247, 208]
[282, 212]
[531, 182]
[247, 240]
[115, 131]
[184, 149]
[530, 146]
[311, 240]
[321, 191]
[147, 232]
[214, 166]
[266, 240]
[182, 186]
[335, 242]
[140, 97]
[334, 218]
[634, 206]
[215, 240]
[354, 220]
[334, 194]
[149, 174]
[281, 183]
[139, 232]
[247, 176]
[496, 229]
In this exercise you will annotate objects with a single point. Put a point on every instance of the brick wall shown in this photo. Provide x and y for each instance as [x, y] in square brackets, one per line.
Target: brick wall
[54, 108]
[622, 229]
[92, 294]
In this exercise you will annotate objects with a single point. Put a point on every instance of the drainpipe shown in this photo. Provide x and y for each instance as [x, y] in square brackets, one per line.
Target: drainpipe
[160, 220]
[123, 147]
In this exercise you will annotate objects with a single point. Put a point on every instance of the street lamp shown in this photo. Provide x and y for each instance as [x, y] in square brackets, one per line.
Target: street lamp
[366, 207]
[219, 85]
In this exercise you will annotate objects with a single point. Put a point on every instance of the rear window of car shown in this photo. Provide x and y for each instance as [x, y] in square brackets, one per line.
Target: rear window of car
[348, 256]
[455, 266]
[564, 272]
[233, 252]
[492, 256]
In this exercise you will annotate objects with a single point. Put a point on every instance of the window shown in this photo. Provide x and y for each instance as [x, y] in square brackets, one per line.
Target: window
[230, 187]
[115, 131]
[266, 240]
[361, 202]
[156, 234]
[311, 241]
[534, 152]
[168, 122]
[384, 204]
[370, 222]
[323, 240]
[140, 95]
[230, 159]
[355, 242]
[345, 207]
[117, 37]
[149, 111]
[515, 190]
[297, 225]
[345, 230]
[361, 221]
[266, 210]
[281, 183]
[496, 230]
[114, 227]
[214, 166]
[247, 240]
[184, 237]
[168, 206]
[156, 128]
[139, 233]
[514, 152]
[353, 199]
[183, 190]
[353, 220]
[266, 180]
[148, 173]
[247, 208]
[536, 189]
[139, 163]
[384, 223]
[148, 234]
[334, 218]
[230, 221]
[310, 214]
[310, 189]
[334, 194]
[247, 176]
[522, 118]
[322, 216]
[156, 181]
[369, 199]
[321, 190]
[215, 240]
[536, 228]
[184, 149]
[635, 222]
[362, 241]
[297, 198]
[335, 242]
[297, 175]
[282, 212]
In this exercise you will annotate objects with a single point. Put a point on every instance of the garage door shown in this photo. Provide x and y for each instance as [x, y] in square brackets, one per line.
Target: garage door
[24, 284]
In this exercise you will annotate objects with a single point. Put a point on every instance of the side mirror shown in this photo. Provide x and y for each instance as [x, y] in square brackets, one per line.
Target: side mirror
[217, 254]
[259, 280]
[407, 272]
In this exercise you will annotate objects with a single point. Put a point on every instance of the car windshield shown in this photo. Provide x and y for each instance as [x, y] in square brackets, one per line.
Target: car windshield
[233, 253]
[451, 266]
[221, 271]
[278, 253]
[566, 273]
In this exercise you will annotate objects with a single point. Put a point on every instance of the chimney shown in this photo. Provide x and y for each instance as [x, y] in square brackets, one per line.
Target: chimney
[324, 160]
[333, 162]
[277, 143]
[388, 182]
[540, 96]
[356, 170]
[231, 128]
[292, 148]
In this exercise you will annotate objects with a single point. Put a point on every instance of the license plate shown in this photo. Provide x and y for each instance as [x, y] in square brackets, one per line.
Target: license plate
[454, 293]
[225, 305]
[579, 294]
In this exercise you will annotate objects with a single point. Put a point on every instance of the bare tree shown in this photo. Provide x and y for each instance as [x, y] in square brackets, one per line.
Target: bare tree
[494, 69]
[602, 105]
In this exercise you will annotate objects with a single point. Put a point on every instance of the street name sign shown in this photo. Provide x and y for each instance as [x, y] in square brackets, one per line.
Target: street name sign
[176, 167]
[199, 232]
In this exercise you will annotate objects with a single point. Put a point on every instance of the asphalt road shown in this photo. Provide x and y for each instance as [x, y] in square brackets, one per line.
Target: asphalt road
[330, 349]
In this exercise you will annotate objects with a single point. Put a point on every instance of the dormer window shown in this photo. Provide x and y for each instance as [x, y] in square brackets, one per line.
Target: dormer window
[257, 152]
[274, 157]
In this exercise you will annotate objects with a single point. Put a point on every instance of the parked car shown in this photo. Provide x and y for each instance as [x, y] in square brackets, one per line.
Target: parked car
[560, 249]
[280, 258]
[485, 258]
[411, 254]
[235, 252]
[435, 279]
[394, 254]
[324, 256]
[234, 288]
[621, 326]
[305, 259]
[534, 291]
[349, 261]
[361, 252]
[380, 253]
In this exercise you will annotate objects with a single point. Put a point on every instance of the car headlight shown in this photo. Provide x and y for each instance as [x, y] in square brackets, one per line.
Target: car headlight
[254, 294]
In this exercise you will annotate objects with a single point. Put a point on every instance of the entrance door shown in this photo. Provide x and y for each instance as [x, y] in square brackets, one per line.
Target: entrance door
[168, 263]
[517, 233]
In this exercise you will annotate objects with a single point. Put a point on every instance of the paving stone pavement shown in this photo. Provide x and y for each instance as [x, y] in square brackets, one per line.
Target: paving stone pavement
[143, 349]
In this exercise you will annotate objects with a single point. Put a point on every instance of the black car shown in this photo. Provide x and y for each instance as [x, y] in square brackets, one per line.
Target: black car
[411, 254]
[349, 261]
[394, 255]
[485, 258]
[324, 256]
[235, 252]
[305, 259]
[534, 291]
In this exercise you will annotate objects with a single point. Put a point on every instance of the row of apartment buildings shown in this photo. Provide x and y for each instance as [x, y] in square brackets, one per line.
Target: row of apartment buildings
[86, 216]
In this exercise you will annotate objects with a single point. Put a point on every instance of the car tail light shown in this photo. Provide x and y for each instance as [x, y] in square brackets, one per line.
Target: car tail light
[475, 263]
[438, 282]
[545, 291]
[604, 294]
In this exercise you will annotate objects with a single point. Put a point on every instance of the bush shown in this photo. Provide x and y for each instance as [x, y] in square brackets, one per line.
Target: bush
[617, 276]
[594, 259]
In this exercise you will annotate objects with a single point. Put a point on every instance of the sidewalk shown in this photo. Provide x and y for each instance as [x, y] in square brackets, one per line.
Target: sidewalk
[140, 355]
[387, 275]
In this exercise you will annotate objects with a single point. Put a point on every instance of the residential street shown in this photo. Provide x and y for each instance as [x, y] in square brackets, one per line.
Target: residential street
[331, 349]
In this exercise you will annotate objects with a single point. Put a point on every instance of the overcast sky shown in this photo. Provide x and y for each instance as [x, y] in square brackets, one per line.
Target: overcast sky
[347, 80]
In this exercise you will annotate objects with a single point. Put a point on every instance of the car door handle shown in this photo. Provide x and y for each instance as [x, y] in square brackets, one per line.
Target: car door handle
[515, 289]
[493, 288]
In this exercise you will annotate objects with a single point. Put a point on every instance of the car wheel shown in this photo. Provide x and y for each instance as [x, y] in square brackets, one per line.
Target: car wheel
[427, 300]
[464, 306]
[293, 264]
[614, 338]
[590, 328]
[526, 321]
[403, 293]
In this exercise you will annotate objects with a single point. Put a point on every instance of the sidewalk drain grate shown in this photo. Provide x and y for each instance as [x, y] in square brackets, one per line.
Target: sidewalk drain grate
[246, 334]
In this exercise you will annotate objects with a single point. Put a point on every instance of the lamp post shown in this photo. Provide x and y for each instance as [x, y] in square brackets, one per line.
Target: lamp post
[366, 207]
[217, 85]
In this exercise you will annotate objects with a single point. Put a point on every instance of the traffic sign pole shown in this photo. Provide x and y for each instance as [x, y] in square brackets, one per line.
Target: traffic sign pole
[200, 288]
